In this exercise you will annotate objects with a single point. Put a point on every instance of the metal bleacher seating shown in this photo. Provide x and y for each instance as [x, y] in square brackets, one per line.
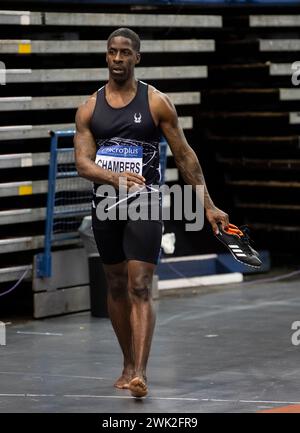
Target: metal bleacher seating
[40, 96]
[258, 132]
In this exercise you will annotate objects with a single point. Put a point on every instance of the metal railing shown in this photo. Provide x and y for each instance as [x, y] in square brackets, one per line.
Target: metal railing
[53, 211]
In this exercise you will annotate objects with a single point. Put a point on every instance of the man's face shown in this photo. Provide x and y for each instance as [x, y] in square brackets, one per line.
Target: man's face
[121, 58]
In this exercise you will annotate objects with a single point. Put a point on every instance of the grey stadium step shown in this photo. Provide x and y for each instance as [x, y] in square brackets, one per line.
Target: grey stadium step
[17, 132]
[294, 118]
[274, 20]
[78, 184]
[10, 189]
[292, 94]
[41, 186]
[109, 19]
[16, 216]
[279, 45]
[19, 216]
[15, 272]
[33, 242]
[282, 69]
[101, 74]
[28, 46]
[19, 160]
[61, 102]
[20, 17]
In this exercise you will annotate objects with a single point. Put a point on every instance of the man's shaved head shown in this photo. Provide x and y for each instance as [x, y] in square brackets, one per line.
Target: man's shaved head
[126, 33]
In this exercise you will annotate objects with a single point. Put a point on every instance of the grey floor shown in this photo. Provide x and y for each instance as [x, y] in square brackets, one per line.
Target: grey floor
[224, 351]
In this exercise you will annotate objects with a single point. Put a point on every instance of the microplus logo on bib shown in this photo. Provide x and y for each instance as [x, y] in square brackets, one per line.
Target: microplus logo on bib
[121, 158]
[125, 151]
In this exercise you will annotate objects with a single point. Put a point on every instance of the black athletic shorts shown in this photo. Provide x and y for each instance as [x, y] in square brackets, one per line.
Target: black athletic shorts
[119, 240]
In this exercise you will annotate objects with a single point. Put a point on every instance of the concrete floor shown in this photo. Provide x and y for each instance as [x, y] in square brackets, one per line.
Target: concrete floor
[225, 351]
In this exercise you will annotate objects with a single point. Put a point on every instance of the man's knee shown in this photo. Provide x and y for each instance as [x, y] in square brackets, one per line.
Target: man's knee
[140, 287]
[117, 285]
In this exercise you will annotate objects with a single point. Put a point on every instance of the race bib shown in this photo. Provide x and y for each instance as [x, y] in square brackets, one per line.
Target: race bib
[120, 158]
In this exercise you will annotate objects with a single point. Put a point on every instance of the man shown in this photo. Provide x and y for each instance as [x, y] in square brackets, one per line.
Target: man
[128, 115]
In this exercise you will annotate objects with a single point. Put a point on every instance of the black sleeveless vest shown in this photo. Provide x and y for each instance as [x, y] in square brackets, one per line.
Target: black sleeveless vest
[127, 138]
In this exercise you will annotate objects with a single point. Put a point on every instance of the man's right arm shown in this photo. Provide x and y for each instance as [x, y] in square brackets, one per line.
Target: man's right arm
[86, 149]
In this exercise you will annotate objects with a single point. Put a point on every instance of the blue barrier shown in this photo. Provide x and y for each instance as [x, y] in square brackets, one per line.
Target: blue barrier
[44, 259]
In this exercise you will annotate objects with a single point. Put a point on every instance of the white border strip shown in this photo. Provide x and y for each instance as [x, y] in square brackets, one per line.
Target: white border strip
[189, 258]
[207, 280]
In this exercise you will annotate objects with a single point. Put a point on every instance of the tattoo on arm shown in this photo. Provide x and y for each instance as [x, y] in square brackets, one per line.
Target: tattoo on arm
[192, 174]
[185, 157]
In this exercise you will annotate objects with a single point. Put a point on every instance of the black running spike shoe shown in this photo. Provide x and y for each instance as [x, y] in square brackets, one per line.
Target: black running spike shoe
[238, 243]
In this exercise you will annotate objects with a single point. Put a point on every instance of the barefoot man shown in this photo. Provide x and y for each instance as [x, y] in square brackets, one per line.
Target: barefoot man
[117, 137]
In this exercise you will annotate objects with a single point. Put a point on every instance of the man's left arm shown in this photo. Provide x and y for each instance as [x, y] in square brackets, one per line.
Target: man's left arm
[186, 159]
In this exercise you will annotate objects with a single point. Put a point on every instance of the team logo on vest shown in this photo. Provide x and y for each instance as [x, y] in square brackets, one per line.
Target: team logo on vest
[137, 118]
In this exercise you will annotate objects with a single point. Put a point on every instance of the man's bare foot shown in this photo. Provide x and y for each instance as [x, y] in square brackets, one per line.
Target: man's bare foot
[123, 381]
[138, 387]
